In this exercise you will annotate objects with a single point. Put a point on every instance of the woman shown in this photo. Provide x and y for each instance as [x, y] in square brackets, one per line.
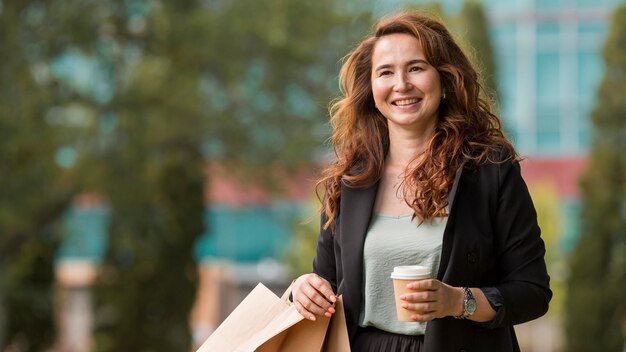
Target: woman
[424, 175]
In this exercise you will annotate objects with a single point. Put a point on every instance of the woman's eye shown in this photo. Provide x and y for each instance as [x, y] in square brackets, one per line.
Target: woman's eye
[385, 73]
[415, 69]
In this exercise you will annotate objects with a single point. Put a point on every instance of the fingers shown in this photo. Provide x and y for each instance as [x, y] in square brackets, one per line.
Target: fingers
[313, 301]
[426, 284]
[423, 317]
[421, 308]
[423, 311]
[303, 311]
[323, 287]
[430, 299]
[426, 300]
[423, 296]
[311, 295]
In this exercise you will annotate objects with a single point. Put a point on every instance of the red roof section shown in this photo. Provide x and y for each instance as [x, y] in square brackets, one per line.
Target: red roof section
[224, 188]
[563, 173]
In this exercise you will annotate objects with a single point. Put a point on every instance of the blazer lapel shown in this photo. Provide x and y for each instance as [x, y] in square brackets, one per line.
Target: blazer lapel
[446, 246]
[356, 211]
[455, 186]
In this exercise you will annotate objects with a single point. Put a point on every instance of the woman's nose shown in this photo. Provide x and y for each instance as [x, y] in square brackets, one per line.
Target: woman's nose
[402, 83]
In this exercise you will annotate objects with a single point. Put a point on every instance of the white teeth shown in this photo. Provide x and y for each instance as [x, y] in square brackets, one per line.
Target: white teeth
[406, 102]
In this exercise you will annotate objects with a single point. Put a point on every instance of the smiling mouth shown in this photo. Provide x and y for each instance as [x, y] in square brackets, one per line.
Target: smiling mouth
[405, 102]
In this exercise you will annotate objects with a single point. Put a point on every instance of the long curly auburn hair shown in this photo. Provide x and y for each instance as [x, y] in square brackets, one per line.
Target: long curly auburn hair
[466, 133]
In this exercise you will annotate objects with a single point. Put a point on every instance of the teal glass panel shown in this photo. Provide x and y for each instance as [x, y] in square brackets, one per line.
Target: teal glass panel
[547, 102]
[504, 37]
[591, 4]
[247, 234]
[526, 142]
[505, 51]
[548, 118]
[590, 71]
[507, 86]
[549, 4]
[548, 35]
[584, 138]
[571, 232]
[585, 131]
[85, 235]
[591, 36]
[499, 5]
[548, 142]
[547, 77]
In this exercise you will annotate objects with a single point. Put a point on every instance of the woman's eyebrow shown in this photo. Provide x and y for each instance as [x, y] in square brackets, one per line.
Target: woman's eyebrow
[412, 62]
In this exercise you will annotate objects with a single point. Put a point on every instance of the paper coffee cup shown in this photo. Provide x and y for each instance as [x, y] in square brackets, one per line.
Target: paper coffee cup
[401, 276]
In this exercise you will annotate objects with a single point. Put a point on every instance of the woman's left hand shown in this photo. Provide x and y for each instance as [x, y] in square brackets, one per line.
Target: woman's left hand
[432, 299]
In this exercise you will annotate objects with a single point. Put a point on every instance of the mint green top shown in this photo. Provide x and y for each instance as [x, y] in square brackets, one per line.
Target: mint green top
[393, 241]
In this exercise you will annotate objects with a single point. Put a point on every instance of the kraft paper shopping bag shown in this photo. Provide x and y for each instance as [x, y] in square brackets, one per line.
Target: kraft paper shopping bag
[337, 334]
[266, 323]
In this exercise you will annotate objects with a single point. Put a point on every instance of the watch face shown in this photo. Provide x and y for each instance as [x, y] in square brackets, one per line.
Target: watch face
[470, 307]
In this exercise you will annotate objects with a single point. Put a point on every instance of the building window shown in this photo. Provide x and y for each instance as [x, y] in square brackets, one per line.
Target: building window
[547, 107]
[549, 4]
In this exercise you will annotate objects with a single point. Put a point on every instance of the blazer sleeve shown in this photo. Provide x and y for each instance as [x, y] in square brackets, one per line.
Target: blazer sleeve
[324, 263]
[524, 287]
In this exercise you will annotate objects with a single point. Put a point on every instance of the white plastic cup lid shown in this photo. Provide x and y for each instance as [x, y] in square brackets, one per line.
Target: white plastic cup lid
[409, 272]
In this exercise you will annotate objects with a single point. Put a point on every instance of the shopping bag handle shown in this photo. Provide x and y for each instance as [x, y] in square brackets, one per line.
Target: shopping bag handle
[287, 294]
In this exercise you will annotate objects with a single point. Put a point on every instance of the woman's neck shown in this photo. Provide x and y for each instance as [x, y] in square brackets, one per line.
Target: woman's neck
[405, 146]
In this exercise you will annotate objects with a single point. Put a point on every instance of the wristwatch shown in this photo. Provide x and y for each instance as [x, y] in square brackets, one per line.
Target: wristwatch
[469, 304]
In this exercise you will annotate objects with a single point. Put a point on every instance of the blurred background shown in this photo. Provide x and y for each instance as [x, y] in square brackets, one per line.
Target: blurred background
[158, 158]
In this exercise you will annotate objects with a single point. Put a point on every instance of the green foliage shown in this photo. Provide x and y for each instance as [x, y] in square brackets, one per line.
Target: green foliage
[475, 28]
[149, 280]
[239, 80]
[598, 264]
[127, 98]
[35, 190]
[28, 296]
[549, 218]
[299, 257]
[265, 79]
[432, 9]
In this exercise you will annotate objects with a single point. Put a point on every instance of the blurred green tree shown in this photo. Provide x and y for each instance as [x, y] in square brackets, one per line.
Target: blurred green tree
[550, 220]
[129, 98]
[597, 279]
[237, 82]
[36, 169]
[299, 258]
[478, 43]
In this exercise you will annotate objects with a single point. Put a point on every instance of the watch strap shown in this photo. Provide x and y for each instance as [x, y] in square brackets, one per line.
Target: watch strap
[468, 296]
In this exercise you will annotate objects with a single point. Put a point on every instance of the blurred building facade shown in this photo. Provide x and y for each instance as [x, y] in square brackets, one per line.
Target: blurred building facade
[549, 64]
[247, 234]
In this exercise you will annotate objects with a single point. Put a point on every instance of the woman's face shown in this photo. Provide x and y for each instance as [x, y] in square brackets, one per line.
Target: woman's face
[407, 89]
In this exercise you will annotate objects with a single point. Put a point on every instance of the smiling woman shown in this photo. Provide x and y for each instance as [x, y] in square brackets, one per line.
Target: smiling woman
[406, 88]
[424, 176]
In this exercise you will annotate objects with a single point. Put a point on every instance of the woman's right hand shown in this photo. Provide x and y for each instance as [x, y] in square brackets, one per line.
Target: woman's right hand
[313, 295]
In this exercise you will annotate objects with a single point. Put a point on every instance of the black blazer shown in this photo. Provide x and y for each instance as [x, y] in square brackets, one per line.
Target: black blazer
[491, 240]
